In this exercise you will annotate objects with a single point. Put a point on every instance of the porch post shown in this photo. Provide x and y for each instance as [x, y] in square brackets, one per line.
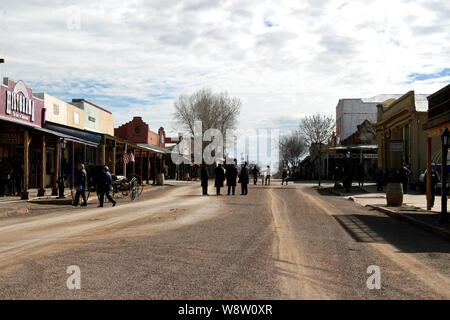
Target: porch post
[41, 191]
[148, 167]
[72, 164]
[140, 165]
[113, 169]
[84, 154]
[428, 173]
[124, 169]
[133, 164]
[55, 168]
[26, 169]
[102, 151]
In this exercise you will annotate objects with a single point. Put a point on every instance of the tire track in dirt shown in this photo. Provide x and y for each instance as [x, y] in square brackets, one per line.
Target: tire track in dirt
[289, 261]
[55, 233]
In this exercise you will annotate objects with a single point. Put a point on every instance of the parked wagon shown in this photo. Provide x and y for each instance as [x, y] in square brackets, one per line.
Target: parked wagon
[127, 186]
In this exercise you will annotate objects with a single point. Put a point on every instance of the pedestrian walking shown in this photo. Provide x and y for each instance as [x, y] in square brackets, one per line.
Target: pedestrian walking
[204, 179]
[434, 181]
[267, 176]
[231, 175]
[255, 172]
[219, 178]
[284, 176]
[243, 179]
[81, 183]
[404, 174]
[104, 187]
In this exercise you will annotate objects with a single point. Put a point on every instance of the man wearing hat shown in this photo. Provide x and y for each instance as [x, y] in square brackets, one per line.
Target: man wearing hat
[104, 187]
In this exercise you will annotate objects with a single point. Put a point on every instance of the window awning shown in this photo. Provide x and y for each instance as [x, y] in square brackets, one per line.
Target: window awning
[372, 147]
[67, 137]
[153, 148]
[89, 137]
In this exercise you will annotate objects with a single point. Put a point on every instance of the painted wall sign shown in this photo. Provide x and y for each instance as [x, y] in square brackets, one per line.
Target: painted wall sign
[19, 104]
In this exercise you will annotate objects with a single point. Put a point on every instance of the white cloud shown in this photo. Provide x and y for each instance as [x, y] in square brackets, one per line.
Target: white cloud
[311, 54]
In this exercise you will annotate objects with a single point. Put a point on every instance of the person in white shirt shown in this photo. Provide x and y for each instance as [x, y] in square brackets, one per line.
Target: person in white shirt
[266, 176]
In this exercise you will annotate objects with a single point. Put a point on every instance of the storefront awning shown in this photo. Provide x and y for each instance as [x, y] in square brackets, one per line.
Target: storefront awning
[153, 148]
[369, 147]
[67, 137]
[88, 137]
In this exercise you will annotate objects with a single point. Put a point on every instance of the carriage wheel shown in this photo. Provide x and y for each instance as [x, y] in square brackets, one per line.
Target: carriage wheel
[136, 181]
[133, 190]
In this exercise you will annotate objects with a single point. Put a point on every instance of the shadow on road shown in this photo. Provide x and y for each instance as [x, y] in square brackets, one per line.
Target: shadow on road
[380, 229]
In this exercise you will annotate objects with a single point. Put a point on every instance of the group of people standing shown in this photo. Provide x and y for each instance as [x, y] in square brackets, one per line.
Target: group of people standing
[230, 173]
[104, 183]
[401, 175]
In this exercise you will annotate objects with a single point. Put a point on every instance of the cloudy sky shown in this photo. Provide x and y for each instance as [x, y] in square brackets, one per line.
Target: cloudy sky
[284, 59]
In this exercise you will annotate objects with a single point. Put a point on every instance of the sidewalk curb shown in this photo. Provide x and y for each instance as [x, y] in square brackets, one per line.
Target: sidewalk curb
[425, 226]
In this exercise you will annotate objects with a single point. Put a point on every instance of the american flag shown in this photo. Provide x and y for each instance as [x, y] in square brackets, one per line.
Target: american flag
[128, 157]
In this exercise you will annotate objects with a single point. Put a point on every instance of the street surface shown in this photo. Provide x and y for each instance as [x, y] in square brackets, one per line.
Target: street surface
[279, 242]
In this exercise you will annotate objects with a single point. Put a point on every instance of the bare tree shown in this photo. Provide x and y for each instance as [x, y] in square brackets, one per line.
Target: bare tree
[214, 110]
[217, 111]
[292, 148]
[317, 131]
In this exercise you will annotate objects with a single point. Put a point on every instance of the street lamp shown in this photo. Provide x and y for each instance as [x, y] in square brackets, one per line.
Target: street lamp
[445, 138]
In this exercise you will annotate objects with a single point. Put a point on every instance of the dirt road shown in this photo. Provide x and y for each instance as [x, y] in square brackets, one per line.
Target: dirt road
[276, 243]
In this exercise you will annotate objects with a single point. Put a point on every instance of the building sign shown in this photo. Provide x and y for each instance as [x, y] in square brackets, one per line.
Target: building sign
[396, 146]
[370, 156]
[19, 104]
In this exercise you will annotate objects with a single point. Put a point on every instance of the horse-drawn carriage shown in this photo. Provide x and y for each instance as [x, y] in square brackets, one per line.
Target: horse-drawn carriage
[127, 186]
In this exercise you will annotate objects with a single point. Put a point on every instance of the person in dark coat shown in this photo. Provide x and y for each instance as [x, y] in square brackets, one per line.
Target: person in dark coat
[220, 177]
[231, 176]
[403, 174]
[243, 179]
[81, 185]
[434, 181]
[104, 187]
[255, 172]
[204, 178]
[284, 177]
